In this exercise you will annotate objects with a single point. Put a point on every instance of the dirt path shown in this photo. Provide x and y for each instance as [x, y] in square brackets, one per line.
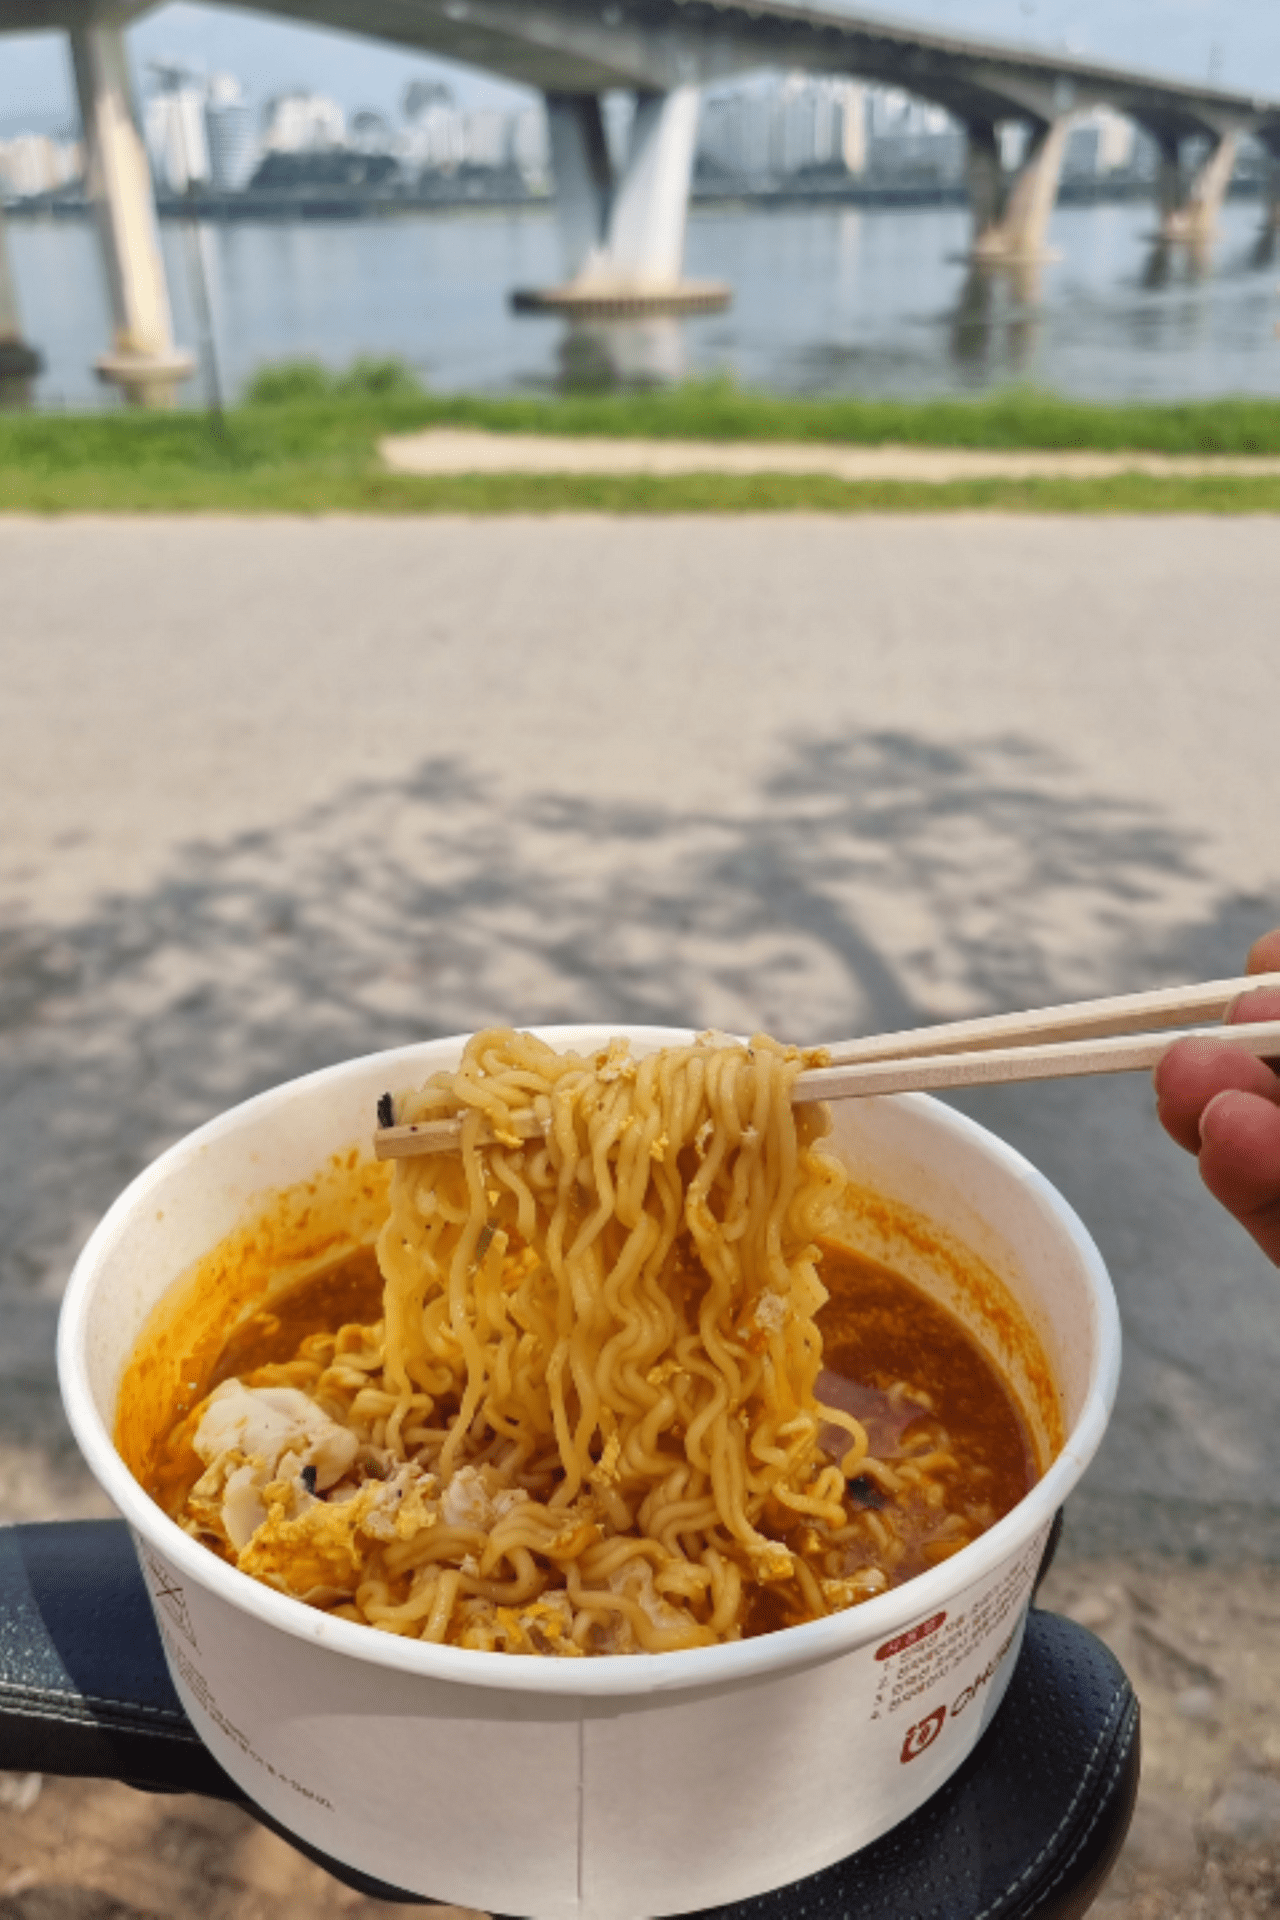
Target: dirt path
[1202, 1646]
[453, 450]
[94, 1850]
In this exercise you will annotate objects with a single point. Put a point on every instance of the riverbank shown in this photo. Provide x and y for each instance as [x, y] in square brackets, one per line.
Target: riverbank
[308, 442]
[499, 189]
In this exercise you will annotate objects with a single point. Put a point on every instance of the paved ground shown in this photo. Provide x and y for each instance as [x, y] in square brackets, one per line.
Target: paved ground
[442, 450]
[276, 792]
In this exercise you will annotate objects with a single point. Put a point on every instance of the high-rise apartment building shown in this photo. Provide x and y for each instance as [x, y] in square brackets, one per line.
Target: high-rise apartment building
[228, 121]
[34, 163]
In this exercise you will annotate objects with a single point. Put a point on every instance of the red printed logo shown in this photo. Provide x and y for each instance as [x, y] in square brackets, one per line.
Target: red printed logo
[911, 1638]
[922, 1735]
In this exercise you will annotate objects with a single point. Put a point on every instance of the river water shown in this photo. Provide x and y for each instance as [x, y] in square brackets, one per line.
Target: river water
[826, 300]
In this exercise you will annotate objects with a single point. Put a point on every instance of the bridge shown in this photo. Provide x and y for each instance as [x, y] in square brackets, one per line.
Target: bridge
[623, 228]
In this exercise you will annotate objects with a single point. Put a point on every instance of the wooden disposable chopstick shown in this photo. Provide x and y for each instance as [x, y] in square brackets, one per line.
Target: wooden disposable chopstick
[1079, 1020]
[1121, 1035]
[990, 1066]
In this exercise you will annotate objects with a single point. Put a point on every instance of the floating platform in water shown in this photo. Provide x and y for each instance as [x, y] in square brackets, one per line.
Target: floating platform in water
[605, 300]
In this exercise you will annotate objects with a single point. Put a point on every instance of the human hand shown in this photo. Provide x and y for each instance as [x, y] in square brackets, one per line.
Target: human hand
[1224, 1107]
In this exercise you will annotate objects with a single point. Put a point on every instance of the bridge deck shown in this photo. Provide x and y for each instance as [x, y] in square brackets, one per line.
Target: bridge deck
[586, 46]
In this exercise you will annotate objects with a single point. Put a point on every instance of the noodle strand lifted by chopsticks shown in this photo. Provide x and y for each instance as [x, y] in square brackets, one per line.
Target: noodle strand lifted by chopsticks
[588, 1421]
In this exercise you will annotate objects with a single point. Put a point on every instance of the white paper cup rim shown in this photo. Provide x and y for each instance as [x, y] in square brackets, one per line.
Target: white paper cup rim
[608, 1674]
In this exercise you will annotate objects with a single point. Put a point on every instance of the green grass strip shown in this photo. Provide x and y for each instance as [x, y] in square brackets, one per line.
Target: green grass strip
[1010, 418]
[306, 442]
[1011, 422]
[306, 492]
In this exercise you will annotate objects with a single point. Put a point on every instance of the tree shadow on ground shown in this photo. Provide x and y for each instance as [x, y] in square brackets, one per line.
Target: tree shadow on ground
[873, 881]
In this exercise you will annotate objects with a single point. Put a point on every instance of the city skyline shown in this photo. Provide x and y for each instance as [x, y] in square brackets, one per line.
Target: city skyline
[1232, 41]
[809, 129]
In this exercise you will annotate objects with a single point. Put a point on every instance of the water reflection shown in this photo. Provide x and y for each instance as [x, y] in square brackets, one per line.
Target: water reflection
[1159, 267]
[19, 366]
[996, 324]
[1171, 261]
[1263, 251]
[16, 394]
[848, 253]
[648, 352]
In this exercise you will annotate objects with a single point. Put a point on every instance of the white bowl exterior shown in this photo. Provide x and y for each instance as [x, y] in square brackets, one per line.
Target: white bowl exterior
[602, 1789]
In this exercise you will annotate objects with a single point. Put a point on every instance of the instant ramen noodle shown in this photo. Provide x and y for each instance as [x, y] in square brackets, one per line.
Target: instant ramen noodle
[612, 1388]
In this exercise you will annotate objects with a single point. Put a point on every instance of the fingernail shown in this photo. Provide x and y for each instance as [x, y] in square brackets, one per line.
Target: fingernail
[1227, 1093]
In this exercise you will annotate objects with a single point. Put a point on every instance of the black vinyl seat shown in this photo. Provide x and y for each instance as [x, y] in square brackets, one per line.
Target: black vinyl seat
[1028, 1829]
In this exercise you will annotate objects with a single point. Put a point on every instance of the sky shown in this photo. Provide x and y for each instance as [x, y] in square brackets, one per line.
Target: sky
[1235, 41]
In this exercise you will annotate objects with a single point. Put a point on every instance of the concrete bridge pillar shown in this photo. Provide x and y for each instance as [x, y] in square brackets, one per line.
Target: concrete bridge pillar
[1011, 214]
[622, 233]
[651, 199]
[144, 361]
[985, 175]
[1190, 202]
[19, 362]
[584, 178]
[1271, 190]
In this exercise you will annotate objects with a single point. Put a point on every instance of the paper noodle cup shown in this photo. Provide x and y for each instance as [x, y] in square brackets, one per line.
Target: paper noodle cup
[624, 1786]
